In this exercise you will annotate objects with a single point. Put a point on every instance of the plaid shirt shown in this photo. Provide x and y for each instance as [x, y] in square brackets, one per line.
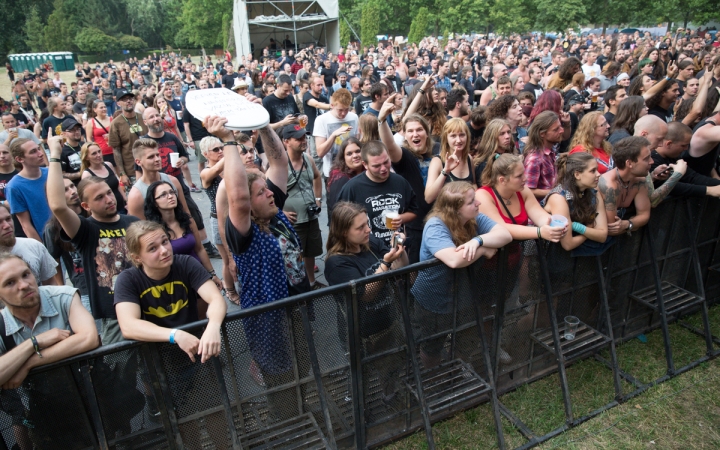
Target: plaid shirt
[540, 169]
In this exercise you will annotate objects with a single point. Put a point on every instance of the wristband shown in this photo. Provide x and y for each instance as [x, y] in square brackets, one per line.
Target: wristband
[212, 273]
[54, 160]
[578, 227]
[172, 335]
[36, 346]
[539, 235]
[479, 240]
[667, 78]
[385, 263]
[230, 143]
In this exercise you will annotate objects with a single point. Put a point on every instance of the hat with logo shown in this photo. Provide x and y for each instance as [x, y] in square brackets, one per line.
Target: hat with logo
[293, 132]
[120, 93]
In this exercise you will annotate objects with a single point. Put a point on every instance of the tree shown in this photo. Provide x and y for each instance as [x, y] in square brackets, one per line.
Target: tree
[59, 32]
[34, 29]
[369, 23]
[556, 16]
[93, 40]
[462, 16]
[126, 42]
[202, 21]
[419, 26]
[144, 16]
[511, 16]
[345, 33]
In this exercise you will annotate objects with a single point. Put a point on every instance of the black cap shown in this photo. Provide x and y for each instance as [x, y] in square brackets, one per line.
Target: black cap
[293, 131]
[663, 47]
[69, 123]
[535, 59]
[575, 99]
[120, 93]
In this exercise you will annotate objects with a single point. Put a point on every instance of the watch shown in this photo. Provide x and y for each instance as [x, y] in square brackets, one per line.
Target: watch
[318, 199]
[445, 174]
[630, 227]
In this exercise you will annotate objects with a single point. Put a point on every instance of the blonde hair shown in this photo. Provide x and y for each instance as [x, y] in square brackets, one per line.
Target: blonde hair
[134, 235]
[85, 155]
[454, 125]
[500, 165]
[585, 134]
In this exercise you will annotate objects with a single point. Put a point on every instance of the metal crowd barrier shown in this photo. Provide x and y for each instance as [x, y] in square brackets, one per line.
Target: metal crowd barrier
[363, 364]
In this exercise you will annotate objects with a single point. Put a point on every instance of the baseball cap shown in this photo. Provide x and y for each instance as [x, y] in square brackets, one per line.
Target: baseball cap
[293, 132]
[575, 99]
[120, 93]
[69, 123]
[663, 47]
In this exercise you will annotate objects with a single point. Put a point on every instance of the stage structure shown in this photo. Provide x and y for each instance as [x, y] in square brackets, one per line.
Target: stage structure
[304, 21]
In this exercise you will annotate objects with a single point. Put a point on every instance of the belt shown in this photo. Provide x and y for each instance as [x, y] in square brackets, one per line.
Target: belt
[213, 215]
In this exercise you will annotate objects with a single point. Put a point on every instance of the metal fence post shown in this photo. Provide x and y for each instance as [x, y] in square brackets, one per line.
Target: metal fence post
[353, 323]
[155, 364]
[157, 392]
[226, 403]
[93, 405]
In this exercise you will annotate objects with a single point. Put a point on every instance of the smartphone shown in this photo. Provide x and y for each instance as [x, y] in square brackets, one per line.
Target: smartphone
[668, 170]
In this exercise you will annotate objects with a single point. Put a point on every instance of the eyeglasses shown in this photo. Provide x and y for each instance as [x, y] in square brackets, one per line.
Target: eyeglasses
[166, 195]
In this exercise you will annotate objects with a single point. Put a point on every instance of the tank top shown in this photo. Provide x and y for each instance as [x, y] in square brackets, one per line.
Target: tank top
[169, 125]
[114, 184]
[520, 219]
[705, 163]
[211, 192]
[185, 246]
[99, 134]
[142, 187]
[300, 190]
[569, 198]
[470, 178]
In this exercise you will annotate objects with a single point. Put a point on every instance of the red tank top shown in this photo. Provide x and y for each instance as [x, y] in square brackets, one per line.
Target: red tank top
[100, 136]
[520, 219]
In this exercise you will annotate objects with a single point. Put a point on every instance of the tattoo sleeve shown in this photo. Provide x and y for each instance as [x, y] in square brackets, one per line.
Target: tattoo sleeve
[608, 194]
[659, 194]
[272, 144]
[117, 153]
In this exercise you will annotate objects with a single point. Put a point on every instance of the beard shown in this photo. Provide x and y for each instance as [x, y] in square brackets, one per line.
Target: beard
[8, 242]
[156, 128]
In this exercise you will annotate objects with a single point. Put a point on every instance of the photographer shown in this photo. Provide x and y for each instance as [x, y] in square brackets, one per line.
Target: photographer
[303, 204]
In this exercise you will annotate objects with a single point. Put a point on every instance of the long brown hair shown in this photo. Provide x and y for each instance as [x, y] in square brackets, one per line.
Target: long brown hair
[343, 215]
[446, 207]
[542, 123]
[489, 143]
[583, 208]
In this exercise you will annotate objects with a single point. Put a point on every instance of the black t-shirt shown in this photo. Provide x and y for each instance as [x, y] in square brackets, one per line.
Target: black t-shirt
[54, 123]
[665, 114]
[328, 76]
[279, 108]
[706, 163]
[692, 184]
[196, 129]
[104, 257]
[167, 144]
[310, 112]
[72, 259]
[610, 117]
[376, 315]
[362, 103]
[410, 168]
[535, 89]
[229, 80]
[376, 197]
[237, 243]
[70, 160]
[79, 108]
[170, 302]
[21, 119]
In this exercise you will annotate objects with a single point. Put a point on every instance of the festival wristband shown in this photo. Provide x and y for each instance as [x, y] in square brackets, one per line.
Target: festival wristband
[36, 346]
[172, 335]
[55, 160]
[578, 227]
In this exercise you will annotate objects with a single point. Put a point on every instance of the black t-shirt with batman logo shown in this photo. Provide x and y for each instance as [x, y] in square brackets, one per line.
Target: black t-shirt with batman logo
[170, 302]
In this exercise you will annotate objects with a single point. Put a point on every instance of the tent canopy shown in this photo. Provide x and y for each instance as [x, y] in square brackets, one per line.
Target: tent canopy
[304, 22]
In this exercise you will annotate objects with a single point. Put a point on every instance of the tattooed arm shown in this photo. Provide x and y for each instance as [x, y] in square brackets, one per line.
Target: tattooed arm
[609, 195]
[659, 194]
[277, 171]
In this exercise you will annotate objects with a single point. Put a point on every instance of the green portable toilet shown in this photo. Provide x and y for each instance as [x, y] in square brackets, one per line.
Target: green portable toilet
[13, 62]
[25, 62]
[58, 61]
[69, 58]
[34, 61]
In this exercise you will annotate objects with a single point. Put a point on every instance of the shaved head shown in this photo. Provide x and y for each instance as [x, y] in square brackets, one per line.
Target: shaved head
[652, 128]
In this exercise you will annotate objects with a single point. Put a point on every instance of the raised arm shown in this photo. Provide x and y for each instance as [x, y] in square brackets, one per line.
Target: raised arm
[68, 219]
[424, 90]
[699, 103]
[672, 70]
[277, 171]
[235, 178]
[386, 135]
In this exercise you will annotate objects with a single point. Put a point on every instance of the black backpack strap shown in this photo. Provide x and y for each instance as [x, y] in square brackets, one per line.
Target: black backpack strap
[8, 341]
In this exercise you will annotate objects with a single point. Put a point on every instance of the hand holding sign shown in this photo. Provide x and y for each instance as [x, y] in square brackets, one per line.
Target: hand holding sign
[241, 113]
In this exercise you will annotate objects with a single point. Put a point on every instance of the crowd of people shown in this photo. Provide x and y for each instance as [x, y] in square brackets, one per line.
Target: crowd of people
[443, 149]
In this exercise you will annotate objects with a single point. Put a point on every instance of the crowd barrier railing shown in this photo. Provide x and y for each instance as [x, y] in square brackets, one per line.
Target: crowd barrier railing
[362, 364]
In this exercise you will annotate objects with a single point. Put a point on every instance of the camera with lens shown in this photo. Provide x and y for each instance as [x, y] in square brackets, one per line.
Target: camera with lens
[313, 211]
[397, 240]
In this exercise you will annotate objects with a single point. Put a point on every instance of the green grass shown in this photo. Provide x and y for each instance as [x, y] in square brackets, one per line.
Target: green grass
[682, 413]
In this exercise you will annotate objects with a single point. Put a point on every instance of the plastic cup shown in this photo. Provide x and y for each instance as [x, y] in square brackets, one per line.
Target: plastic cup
[556, 220]
[174, 158]
[390, 215]
[571, 327]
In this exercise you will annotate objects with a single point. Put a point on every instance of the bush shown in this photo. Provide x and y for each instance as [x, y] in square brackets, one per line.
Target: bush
[127, 42]
[93, 40]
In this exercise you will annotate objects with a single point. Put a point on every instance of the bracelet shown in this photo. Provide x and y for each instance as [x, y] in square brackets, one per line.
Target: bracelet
[385, 263]
[230, 143]
[422, 91]
[318, 199]
[539, 235]
[479, 240]
[172, 335]
[36, 346]
[443, 173]
[578, 227]
[667, 78]
[212, 273]
[55, 160]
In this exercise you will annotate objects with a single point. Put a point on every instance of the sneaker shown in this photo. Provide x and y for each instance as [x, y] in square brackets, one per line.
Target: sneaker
[211, 251]
[317, 269]
[194, 188]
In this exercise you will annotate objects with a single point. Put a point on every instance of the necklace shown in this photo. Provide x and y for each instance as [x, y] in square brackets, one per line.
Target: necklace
[623, 184]
[507, 201]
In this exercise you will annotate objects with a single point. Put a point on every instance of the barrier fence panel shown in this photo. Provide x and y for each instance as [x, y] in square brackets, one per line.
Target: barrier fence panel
[365, 363]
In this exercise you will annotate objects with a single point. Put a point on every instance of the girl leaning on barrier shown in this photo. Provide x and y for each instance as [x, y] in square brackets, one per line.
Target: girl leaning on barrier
[353, 252]
[458, 235]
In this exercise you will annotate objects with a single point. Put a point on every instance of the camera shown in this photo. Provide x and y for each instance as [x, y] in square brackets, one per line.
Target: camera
[397, 240]
[313, 211]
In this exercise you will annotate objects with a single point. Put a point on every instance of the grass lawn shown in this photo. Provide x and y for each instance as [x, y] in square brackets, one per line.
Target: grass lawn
[683, 413]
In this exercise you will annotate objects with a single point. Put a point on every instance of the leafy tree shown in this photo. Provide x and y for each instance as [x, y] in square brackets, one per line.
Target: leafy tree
[462, 16]
[345, 33]
[511, 16]
[34, 29]
[202, 21]
[126, 42]
[419, 26]
[556, 16]
[94, 40]
[370, 25]
[144, 16]
[59, 32]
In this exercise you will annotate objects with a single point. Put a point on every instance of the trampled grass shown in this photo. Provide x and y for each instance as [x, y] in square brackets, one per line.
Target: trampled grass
[682, 413]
